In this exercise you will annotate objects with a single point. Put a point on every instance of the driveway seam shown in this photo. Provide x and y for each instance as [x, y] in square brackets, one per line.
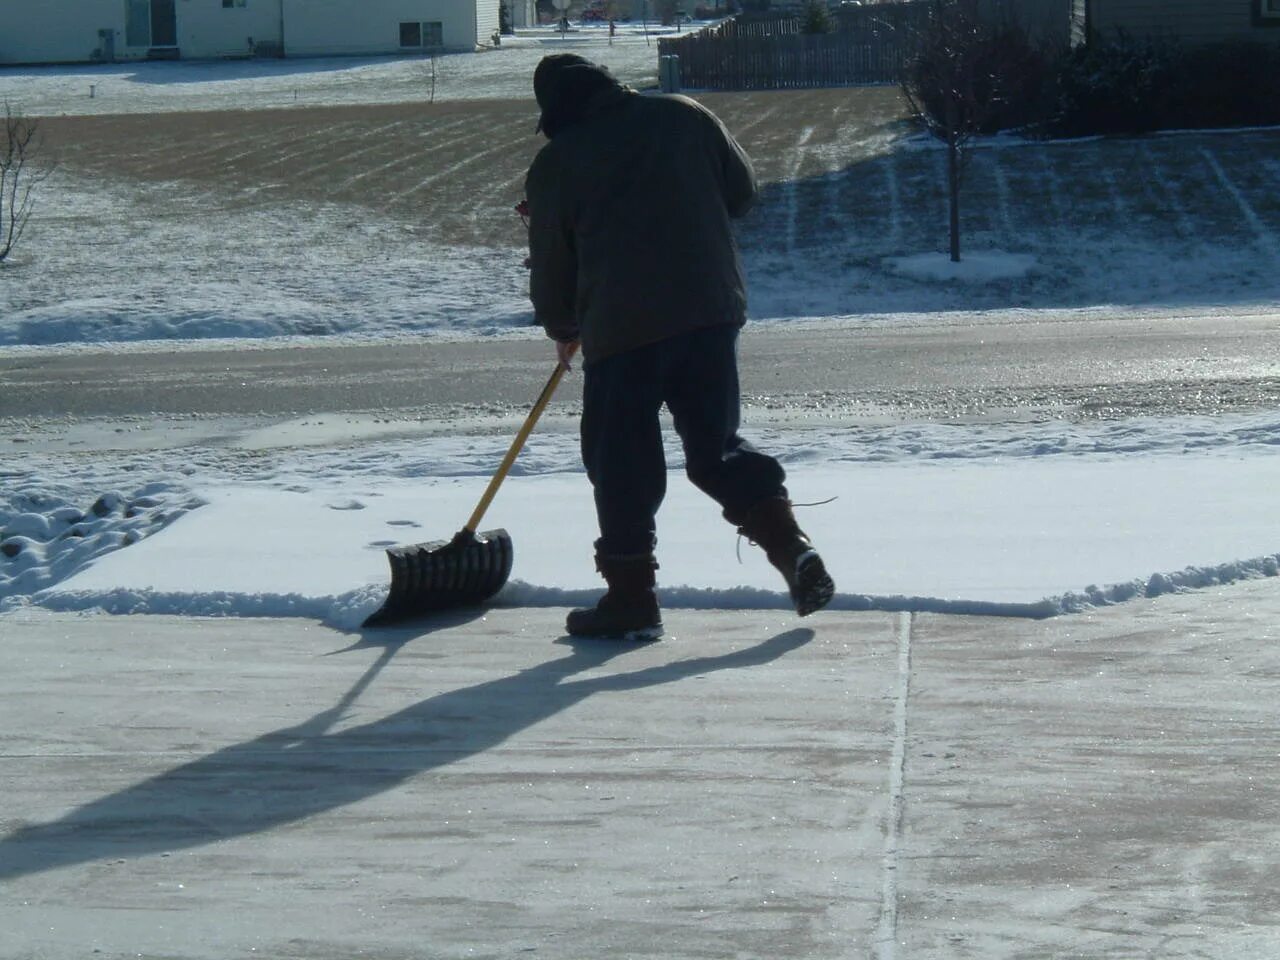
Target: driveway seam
[887, 932]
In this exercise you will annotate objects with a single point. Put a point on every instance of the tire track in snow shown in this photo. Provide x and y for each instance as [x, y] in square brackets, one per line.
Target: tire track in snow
[1004, 199]
[371, 141]
[158, 155]
[756, 120]
[489, 203]
[255, 145]
[1180, 219]
[1057, 226]
[504, 147]
[1119, 206]
[316, 144]
[269, 145]
[162, 154]
[794, 163]
[943, 177]
[408, 158]
[837, 156]
[893, 194]
[832, 181]
[1265, 237]
[768, 210]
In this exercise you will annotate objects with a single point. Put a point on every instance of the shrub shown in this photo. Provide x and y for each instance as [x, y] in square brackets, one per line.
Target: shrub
[1123, 85]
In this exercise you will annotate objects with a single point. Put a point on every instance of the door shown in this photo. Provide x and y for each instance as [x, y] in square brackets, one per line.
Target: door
[150, 23]
[164, 24]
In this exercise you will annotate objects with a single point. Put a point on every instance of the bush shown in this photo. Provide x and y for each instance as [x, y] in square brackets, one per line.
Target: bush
[1022, 73]
[1123, 85]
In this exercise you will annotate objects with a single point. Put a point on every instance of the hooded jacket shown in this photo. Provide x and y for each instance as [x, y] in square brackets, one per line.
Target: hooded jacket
[629, 213]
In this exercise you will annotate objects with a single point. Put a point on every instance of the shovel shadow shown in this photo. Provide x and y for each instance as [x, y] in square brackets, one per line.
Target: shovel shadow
[296, 772]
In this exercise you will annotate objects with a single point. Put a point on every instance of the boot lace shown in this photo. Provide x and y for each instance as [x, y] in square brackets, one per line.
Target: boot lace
[742, 534]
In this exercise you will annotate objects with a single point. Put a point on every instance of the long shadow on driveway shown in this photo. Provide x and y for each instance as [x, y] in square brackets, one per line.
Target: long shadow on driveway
[296, 772]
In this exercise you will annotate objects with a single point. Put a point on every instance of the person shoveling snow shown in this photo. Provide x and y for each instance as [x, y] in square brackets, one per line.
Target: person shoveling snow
[633, 259]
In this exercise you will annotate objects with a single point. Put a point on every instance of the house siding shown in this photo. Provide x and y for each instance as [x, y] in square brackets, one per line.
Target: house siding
[67, 31]
[340, 27]
[207, 29]
[487, 22]
[1048, 20]
[1190, 21]
[59, 31]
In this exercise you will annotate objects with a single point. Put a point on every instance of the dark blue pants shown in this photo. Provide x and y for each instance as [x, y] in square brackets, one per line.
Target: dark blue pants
[696, 376]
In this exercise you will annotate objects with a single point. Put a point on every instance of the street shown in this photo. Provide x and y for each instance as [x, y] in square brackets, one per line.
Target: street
[1070, 366]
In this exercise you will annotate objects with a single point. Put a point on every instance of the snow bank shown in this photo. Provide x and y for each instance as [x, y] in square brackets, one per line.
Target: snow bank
[44, 539]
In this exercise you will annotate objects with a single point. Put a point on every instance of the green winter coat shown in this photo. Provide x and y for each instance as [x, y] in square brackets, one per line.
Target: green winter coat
[629, 233]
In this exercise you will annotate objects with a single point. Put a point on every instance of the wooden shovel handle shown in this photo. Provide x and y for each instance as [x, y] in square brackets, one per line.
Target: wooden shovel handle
[516, 445]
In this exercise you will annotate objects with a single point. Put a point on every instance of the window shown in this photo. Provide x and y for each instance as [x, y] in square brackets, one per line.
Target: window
[227, 4]
[1270, 9]
[421, 35]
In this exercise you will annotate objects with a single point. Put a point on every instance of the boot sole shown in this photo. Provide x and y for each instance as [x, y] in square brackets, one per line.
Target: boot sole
[814, 586]
[641, 634]
[637, 635]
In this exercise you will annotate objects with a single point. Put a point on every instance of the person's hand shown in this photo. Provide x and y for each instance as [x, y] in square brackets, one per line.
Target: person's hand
[565, 349]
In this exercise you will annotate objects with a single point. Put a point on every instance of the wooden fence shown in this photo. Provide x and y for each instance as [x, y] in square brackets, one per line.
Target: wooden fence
[869, 45]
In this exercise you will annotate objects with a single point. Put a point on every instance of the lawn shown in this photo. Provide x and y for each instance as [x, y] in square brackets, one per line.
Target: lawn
[278, 203]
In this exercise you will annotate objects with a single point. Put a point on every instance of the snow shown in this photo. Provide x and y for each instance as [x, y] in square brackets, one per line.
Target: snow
[994, 519]
[1015, 519]
[980, 267]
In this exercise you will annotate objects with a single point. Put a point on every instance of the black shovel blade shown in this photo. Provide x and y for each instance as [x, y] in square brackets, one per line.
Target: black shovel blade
[444, 574]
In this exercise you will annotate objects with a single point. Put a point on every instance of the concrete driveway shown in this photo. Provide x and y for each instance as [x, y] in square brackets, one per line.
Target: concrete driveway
[853, 785]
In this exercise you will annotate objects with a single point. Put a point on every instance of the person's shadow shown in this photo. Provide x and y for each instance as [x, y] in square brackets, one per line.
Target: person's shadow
[296, 772]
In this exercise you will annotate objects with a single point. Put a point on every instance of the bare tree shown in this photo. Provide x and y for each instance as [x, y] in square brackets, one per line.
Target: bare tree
[956, 82]
[19, 177]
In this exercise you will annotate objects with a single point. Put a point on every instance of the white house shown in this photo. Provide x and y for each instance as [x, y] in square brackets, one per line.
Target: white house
[74, 31]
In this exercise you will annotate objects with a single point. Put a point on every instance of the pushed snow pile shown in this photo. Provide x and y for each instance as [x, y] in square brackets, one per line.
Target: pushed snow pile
[44, 539]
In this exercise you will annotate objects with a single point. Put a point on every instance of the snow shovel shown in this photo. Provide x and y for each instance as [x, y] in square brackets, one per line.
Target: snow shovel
[470, 568]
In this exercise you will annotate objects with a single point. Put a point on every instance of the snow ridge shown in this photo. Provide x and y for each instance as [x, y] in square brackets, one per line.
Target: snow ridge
[348, 610]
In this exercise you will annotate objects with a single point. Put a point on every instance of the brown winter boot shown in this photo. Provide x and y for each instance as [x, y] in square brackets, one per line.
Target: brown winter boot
[772, 525]
[629, 608]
